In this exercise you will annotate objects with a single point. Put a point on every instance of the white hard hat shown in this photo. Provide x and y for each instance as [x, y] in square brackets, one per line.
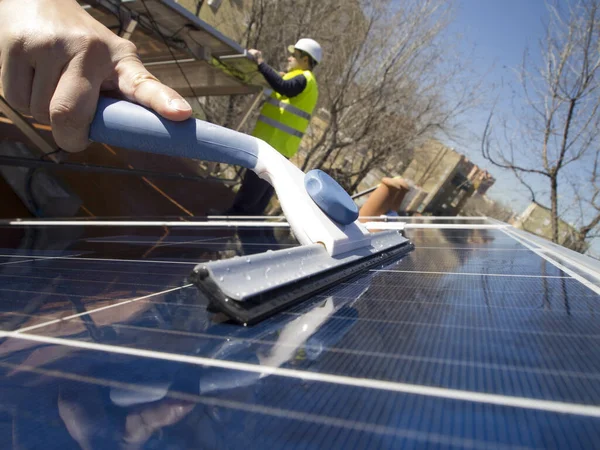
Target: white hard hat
[309, 46]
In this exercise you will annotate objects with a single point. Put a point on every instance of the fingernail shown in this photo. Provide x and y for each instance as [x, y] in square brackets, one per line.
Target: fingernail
[179, 104]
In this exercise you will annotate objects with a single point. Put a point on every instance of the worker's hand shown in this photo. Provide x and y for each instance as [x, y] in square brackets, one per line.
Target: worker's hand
[55, 59]
[256, 54]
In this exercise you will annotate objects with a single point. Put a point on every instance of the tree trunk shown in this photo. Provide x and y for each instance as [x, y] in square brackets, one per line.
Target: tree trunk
[554, 206]
[579, 244]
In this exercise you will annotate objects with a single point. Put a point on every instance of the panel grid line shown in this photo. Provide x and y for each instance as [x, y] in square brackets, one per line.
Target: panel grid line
[579, 278]
[440, 303]
[470, 273]
[102, 271]
[29, 277]
[366, 383]
[16, 262]
[31, 258]
[91, 311]
[420, 247]
[73, 258]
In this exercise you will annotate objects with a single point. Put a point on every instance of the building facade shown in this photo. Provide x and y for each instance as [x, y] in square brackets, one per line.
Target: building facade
[448, 177]
[537, 219]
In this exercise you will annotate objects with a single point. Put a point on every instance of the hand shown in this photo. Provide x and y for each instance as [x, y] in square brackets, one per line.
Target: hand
[55, 59]
[82, 409]
[142, 423]
[256, 54]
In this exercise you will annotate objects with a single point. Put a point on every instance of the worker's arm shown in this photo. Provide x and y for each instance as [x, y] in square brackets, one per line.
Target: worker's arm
[289, 88]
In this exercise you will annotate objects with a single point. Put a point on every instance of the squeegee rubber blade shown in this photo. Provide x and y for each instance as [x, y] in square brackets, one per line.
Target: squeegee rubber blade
[274, 300]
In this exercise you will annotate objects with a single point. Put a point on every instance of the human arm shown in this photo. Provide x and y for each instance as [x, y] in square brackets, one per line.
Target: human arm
[289, 88]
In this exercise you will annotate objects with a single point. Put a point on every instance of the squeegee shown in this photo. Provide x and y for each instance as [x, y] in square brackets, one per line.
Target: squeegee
[335, 246]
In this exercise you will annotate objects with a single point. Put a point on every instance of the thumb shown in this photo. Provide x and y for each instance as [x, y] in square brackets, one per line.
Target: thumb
[140, 86]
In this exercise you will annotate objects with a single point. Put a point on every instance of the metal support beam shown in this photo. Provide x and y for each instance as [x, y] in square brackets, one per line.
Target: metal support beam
[199, 52]
[169, 62]
[77, 167]
[28, 130]
[251, 107]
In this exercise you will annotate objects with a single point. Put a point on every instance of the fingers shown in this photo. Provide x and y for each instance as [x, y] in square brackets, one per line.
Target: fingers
[256, 54]
[141, 425]
[17, 76]
[140, 86]
[73, 105]
[45, 81]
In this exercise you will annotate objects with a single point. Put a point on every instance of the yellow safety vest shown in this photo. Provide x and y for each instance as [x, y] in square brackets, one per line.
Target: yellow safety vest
[283, 121]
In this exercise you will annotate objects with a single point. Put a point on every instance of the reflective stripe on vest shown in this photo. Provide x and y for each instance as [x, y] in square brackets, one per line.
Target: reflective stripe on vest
[289, 108]
[273, 123]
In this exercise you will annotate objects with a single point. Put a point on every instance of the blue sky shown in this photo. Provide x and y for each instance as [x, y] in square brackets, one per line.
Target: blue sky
[496, 33]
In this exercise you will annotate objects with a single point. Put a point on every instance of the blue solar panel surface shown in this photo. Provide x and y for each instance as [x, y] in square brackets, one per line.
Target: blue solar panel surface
[470, 341]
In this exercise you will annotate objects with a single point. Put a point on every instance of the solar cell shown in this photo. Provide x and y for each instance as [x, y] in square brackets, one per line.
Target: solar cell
[472, 340]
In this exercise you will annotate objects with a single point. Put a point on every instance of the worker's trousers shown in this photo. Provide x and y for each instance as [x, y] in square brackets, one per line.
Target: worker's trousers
[253, 197]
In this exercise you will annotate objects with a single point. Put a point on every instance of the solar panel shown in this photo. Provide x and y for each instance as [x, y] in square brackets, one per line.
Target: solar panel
[478, 338]
[190, 63]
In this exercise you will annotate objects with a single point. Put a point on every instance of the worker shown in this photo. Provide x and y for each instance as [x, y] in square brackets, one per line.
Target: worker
[283, 118]
[55, 59]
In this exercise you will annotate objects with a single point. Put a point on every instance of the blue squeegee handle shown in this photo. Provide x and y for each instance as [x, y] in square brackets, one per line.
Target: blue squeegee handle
[128, 125]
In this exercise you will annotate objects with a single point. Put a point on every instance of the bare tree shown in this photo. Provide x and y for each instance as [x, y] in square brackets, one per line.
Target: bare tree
[387, 91]
[561, 122]
[586, 193]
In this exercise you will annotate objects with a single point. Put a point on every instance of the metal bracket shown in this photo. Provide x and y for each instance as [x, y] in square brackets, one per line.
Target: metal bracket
[200, 52]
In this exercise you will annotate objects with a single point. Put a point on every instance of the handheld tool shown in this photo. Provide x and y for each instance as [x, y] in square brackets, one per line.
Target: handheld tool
[322, 216]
